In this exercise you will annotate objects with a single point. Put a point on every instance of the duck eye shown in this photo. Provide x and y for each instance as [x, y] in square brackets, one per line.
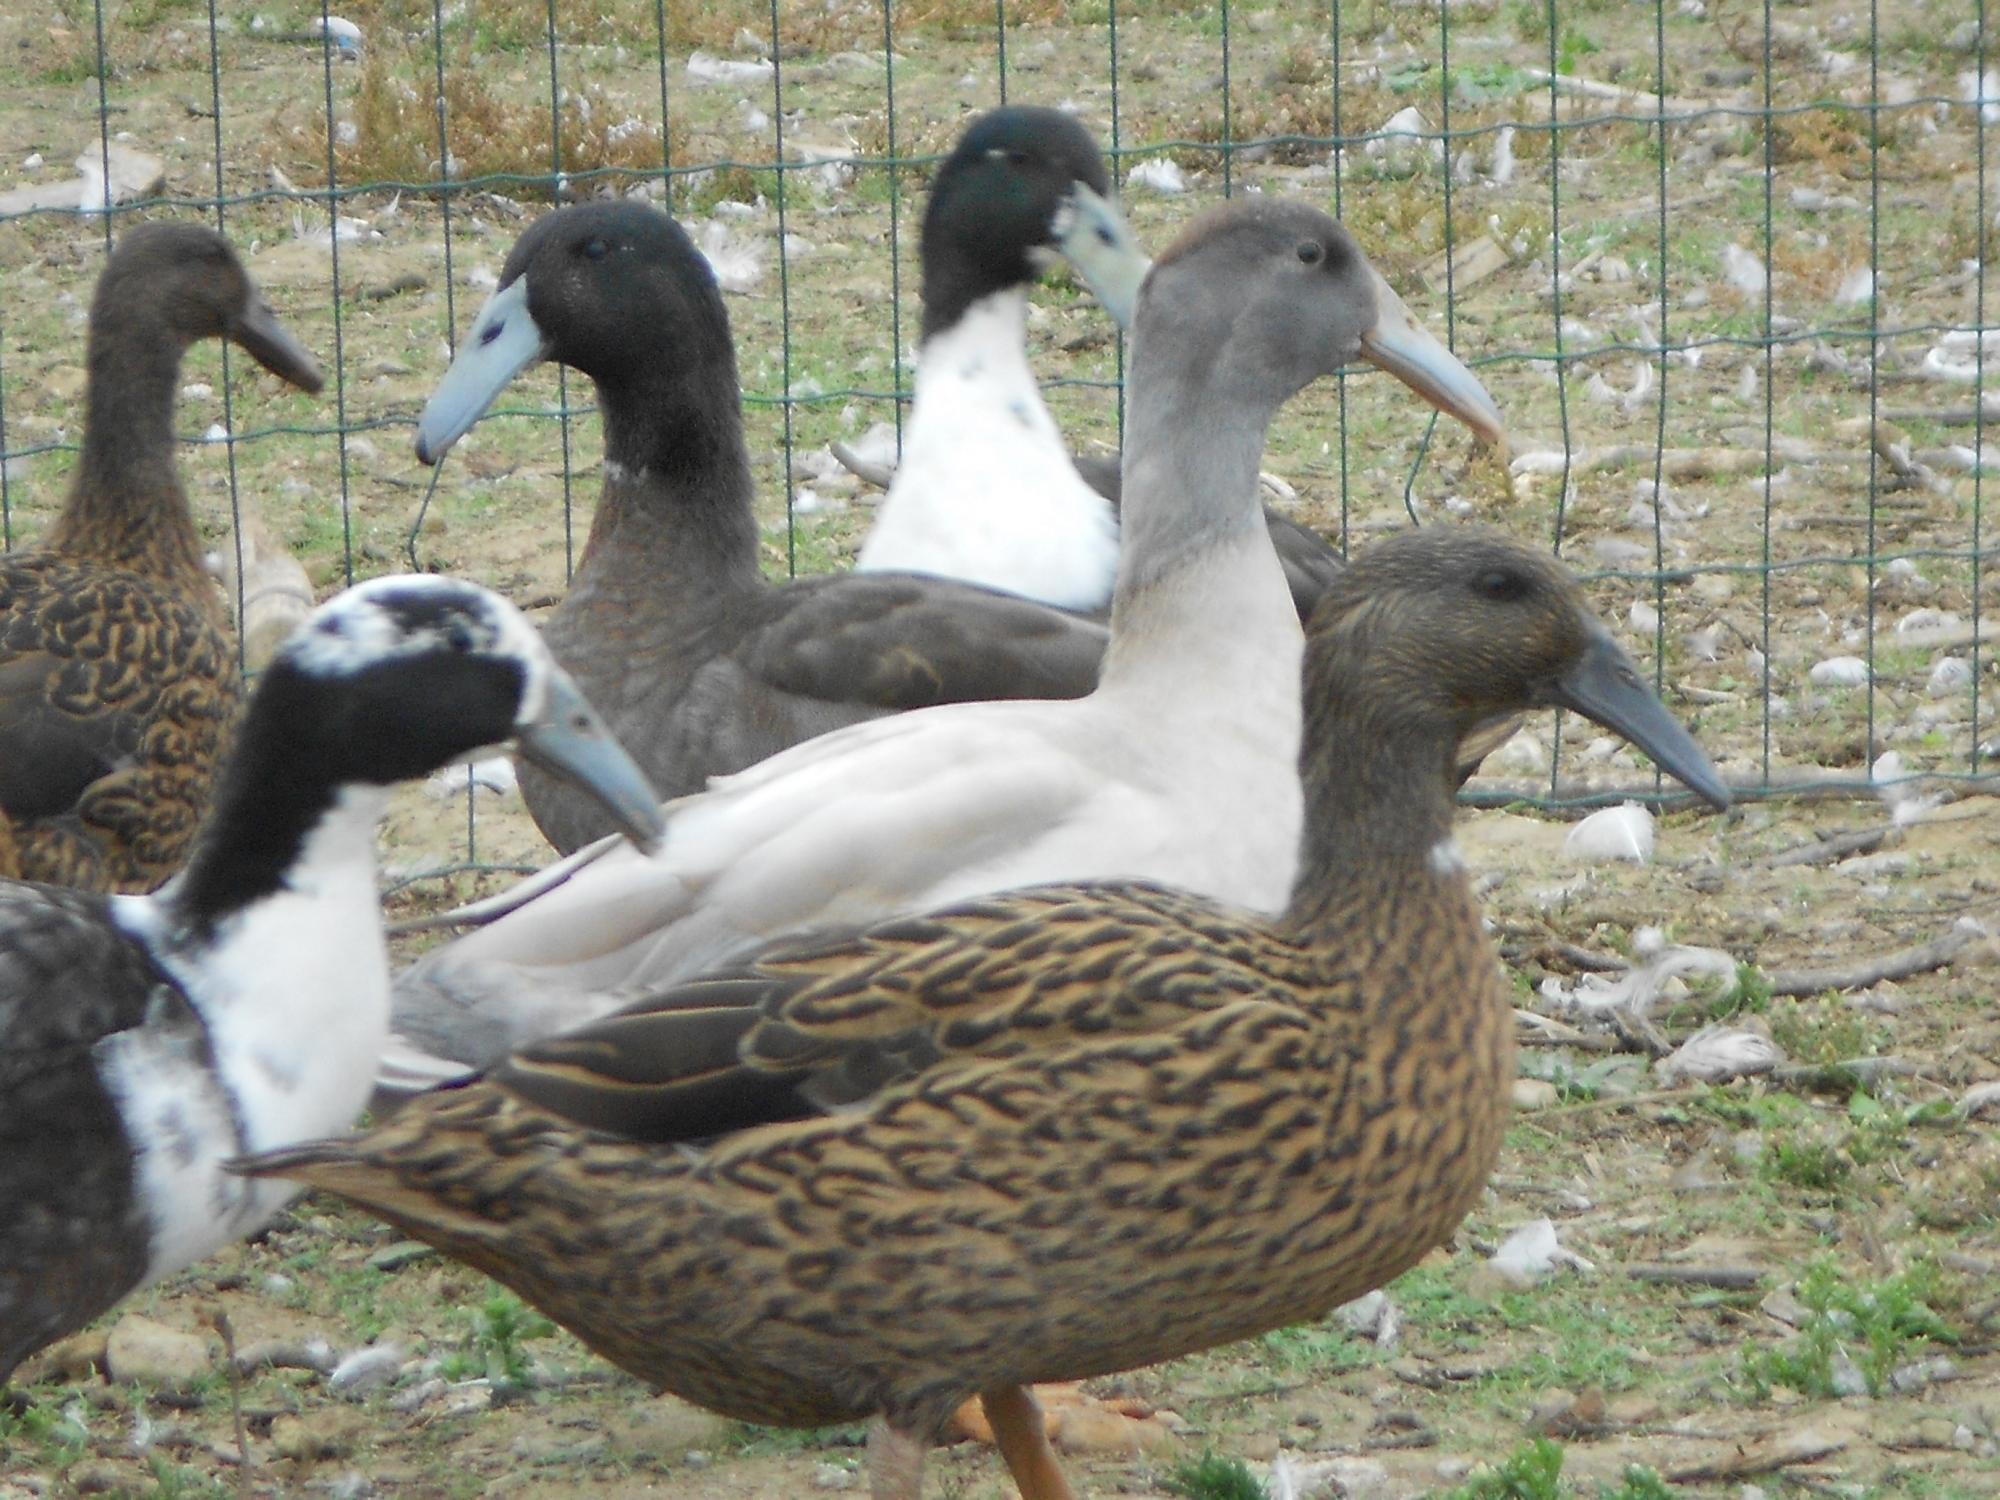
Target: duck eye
[1502, 585]
[1311, 252]
[596, 249]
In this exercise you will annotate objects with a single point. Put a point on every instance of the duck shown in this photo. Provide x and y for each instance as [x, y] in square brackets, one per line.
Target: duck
[119, 680]
[668, 624]
[985, 489]
[1054, 1133]
[145, 1039]
[1180, 766]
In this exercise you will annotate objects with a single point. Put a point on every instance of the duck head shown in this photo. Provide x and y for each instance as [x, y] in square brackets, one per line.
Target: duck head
[1294, 299]
[189, 277]
[1453, 626]
[600, 287]
[1023, 185]
[400, 676]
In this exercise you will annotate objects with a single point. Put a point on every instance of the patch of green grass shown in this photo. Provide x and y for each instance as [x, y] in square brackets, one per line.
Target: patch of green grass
[749, 1438]
[1875, 1326]
[1215, 1477]
[56, 1439]
[1815, 1165]
[500, 1326]
[1531, 1472]
[1323, 1349]
[1608, 1077]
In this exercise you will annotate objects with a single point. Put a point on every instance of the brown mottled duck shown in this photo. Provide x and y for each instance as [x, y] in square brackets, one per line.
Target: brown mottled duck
[1057, 1133]
[118, 677]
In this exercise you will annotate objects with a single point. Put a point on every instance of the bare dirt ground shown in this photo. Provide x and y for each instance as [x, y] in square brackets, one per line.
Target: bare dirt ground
[1793, 1278]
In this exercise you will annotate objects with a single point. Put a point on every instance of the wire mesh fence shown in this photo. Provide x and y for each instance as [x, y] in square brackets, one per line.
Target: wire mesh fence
[1722, 265]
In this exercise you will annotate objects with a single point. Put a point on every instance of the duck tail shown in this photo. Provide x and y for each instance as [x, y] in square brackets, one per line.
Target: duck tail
[302, 1161]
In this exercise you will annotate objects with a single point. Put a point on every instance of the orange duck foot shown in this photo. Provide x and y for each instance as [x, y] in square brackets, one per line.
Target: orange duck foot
[1077, 1422]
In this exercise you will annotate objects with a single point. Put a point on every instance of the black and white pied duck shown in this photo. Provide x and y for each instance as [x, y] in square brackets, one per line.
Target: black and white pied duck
[985, 489]
[1180, 767]
[144, 1039]
[693, 658]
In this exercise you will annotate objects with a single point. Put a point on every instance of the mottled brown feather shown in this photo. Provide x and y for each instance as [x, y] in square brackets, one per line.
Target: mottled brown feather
[118, 677]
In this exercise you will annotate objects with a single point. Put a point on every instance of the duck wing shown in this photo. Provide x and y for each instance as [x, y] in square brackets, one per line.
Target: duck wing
[50, 749]
[900, 641]
[66, 983]
[890, 816]
[829, 1023]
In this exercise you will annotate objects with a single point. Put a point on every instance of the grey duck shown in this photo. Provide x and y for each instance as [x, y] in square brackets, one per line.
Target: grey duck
[118, 675]
[1055, 1133]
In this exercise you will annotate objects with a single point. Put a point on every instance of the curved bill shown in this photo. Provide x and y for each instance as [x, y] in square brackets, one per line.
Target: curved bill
[1603, 685]
[1094, 238]
[569, 740]
[1399, 344]
[502, 342]
[271, 344]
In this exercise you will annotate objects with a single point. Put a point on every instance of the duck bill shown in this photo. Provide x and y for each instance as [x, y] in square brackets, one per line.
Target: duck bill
[569, 740]
[1603, 685]
[1398, 344]
[1095, 239]
[271, 344]
[502, 342]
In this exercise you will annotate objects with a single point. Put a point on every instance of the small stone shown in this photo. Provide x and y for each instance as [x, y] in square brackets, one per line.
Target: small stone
[832, 1477]
[1919, 1373]
[367, 1370]
[141, 1349]
[1562, 1413]
[393, 1257]
[1100, 1429]
[73, 1358]
[1534, 1093]
[1451, 1470]
[665, 1429]
[419, 1395]
[695, 1458]
[353, 1485]
[325, 1432]
[1847, 1377]
[287, 1354]
[97, 1479]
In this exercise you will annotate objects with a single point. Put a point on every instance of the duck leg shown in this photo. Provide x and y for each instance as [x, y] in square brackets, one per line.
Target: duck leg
[895, 1463]
[1023, 1440]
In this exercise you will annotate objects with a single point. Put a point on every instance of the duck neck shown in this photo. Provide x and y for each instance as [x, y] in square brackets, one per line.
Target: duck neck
[1376, 766]
[126, 506]
[276, 824]
[677, 501]
[1197, 574]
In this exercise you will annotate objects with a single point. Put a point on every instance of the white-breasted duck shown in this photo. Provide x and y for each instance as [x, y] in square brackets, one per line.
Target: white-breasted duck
[144, 1039]
[1055, 1133]
[694, 660]
[985, 489]
[1180, 767]
[118, 674]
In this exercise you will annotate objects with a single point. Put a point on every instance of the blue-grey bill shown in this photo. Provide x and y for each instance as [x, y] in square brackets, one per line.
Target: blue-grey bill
[1603, 685]
[569, 740]
[502, 342]
[270, 343]
[1399, 344]
[1094, 238]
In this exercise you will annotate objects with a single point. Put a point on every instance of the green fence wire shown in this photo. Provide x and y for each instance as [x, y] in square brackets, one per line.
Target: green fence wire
[1723, 267]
